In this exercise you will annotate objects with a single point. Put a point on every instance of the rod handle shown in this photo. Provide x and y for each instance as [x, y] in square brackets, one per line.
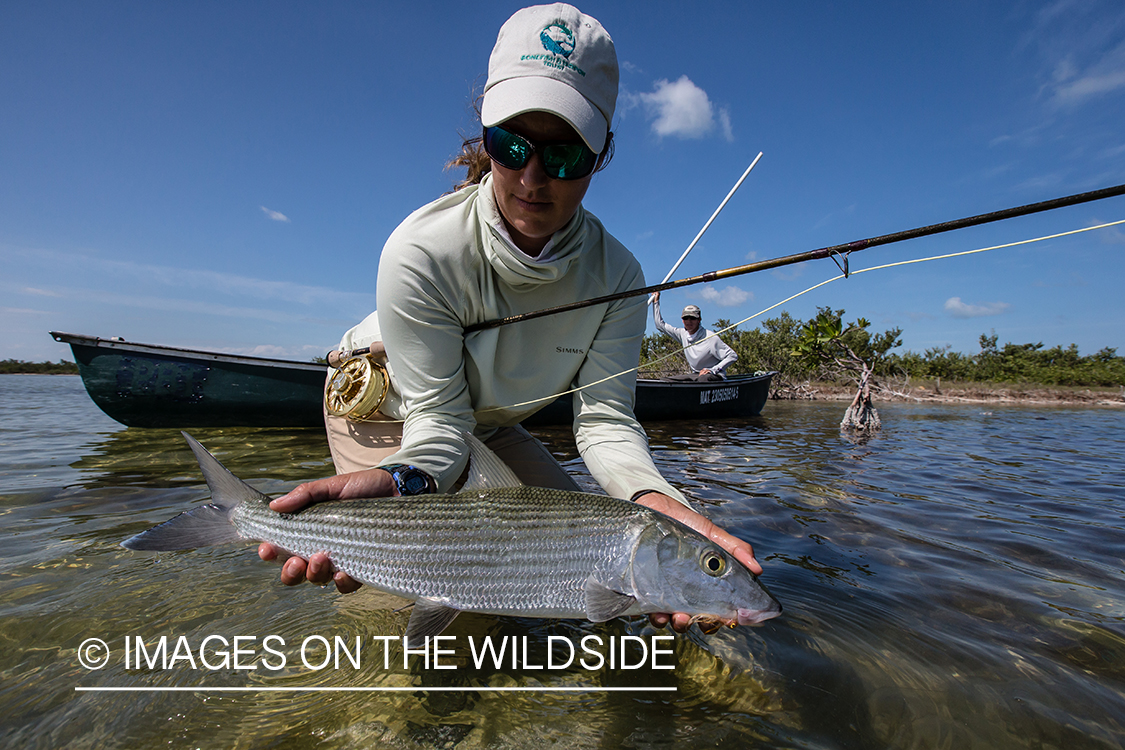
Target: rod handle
[376, 350]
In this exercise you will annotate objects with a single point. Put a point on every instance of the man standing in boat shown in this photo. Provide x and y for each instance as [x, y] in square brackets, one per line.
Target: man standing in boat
[707, 355]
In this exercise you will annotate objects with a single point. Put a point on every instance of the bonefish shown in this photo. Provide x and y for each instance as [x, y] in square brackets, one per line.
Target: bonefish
[496, 547]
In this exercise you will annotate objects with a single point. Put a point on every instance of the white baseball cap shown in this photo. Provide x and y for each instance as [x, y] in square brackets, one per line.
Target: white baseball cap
[691, 311]
[553, 58]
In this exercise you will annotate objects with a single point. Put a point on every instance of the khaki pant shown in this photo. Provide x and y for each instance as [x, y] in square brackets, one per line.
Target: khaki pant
[696, 378]
[363, 445]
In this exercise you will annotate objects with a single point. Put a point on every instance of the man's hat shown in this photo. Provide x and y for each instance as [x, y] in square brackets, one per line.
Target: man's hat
[691, 311]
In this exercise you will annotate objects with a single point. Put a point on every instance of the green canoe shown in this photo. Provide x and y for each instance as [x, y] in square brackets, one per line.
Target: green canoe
[146, 385]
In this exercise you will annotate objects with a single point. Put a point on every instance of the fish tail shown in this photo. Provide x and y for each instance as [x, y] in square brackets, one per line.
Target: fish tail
[199, 527]
[208, 524]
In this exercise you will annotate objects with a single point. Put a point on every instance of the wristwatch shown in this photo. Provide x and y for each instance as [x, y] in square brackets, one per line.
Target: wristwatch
[410, 480]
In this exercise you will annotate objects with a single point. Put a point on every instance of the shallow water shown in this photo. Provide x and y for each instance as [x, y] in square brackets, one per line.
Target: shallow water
[955, 582]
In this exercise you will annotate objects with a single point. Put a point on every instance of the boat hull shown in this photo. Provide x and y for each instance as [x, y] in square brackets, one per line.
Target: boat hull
[660, 400]
[145, 385]
[142, 385]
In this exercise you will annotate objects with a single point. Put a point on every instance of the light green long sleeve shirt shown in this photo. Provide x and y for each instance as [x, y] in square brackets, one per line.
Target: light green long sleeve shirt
[451, 264]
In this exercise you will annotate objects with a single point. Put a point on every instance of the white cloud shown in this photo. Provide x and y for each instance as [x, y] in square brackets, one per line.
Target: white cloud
[1080, 42]
[127, 277]
[40, 292]
[1113, 236]
[730, 296]
[684, 110]
[306, 352]
[1089, 85]
[958, 309]
[724, 124]
[274, 215]
[267, 350]
[22, 311]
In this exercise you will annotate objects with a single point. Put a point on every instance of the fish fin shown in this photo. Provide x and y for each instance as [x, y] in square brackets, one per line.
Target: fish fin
[226, 488]
[603, 603]
[429, 618]
[199, 527]
[208, 524]
[486, 469]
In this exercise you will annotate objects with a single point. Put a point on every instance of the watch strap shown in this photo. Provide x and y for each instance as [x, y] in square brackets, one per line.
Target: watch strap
[410, 480]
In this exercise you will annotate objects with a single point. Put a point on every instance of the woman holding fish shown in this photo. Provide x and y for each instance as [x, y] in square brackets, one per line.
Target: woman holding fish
[517, 240]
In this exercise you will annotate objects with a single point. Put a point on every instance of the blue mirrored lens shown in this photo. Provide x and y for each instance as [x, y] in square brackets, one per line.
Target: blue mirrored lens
[561, 161]
[568, 161]
[508, 149]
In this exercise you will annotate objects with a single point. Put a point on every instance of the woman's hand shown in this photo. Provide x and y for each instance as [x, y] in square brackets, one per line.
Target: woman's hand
[318, 568]
[740, 550]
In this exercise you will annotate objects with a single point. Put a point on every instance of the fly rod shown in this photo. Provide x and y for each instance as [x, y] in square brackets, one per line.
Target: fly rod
[336, 357]
[835, 250]
[737, 185]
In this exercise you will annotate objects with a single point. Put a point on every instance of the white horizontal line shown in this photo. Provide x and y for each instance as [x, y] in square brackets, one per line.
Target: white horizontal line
[205, 689]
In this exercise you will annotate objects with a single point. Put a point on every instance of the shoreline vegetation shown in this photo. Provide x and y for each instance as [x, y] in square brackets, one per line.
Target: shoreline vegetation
[828, 359]
[916, 391]
[19, 367]
[964, 393]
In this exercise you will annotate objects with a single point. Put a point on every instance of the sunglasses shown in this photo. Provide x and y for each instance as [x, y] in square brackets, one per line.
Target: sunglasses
[561, 161]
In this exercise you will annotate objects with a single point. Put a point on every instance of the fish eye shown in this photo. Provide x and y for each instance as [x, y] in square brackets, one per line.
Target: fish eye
[712, 562]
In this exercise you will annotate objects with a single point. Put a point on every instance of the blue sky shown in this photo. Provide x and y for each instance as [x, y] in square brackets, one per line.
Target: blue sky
[223, 175]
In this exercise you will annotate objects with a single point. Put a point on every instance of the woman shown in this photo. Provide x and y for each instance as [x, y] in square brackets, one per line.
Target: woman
[520, 240]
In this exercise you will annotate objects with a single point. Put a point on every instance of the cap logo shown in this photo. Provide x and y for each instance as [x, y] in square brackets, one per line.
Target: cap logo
[558, 39]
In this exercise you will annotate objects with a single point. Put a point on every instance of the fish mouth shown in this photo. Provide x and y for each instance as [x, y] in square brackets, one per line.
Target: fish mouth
[709, 624]
[713, 623]
[755, 616]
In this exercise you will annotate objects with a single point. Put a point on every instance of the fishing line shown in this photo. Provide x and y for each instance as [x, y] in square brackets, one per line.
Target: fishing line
[358, 387]
[834, 251]
[347, 392]
[919, 260]
[844, 275]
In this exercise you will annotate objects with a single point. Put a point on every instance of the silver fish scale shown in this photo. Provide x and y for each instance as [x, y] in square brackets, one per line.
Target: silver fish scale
[517, 550]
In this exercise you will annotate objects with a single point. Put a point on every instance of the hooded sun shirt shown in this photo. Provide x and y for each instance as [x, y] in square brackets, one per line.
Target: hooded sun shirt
[703, 349]
[451, 264]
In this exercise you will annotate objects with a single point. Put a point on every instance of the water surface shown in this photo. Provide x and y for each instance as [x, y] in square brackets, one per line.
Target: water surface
[954, 582]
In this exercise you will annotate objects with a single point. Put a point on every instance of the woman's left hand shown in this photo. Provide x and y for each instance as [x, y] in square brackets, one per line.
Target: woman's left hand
[318, 568]
[740, 550]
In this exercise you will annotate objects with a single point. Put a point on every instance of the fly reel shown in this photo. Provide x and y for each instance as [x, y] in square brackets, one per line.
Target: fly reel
[357, 389]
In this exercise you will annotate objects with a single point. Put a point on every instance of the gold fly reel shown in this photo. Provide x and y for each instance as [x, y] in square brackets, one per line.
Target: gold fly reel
[357, 389]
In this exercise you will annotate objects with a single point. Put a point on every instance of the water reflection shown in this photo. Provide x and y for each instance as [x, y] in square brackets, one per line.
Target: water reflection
[161, 457]
[953, 582]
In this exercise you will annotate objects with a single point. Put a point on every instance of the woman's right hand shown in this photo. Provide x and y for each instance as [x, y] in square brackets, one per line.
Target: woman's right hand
[318, 568]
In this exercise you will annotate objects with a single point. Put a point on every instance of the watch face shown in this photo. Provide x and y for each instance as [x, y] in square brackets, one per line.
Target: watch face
[413, 483]
[410, 480]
